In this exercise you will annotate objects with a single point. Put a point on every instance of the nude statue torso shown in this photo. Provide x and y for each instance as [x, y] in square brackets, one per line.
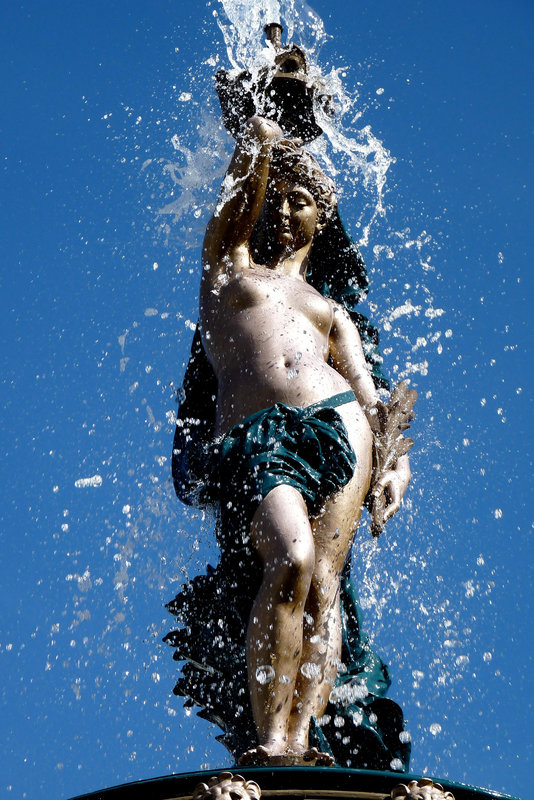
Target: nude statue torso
[268, 338]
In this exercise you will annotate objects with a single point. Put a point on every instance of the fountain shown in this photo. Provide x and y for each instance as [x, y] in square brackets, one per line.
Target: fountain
[361, 730]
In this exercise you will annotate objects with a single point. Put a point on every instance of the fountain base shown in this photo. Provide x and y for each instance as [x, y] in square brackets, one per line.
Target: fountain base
[293, 783]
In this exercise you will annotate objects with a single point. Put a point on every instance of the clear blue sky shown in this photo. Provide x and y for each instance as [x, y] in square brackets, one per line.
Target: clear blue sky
[96, 299]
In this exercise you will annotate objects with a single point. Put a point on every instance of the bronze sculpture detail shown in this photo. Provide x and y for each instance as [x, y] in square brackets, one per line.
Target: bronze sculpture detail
[287, 459]
[227, 786]
[423, 789]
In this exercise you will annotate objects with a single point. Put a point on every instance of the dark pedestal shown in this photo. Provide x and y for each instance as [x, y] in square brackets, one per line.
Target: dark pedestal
[289, 783]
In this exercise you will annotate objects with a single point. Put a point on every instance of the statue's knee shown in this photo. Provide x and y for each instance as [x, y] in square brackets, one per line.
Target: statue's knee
[295, 574]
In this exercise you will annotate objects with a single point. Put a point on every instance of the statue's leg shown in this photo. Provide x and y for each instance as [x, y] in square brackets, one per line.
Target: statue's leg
[333, 531]
[282, 536]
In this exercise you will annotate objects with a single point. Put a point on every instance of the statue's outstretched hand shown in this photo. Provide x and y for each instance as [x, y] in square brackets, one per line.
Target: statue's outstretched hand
[391, 472]
[393, 485]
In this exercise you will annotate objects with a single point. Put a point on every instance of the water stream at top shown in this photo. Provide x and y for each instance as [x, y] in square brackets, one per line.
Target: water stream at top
[352, 155]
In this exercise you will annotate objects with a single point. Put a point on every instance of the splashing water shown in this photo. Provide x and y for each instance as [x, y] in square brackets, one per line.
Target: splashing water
[265, 674]
[343, 149]
[242, 26]
[105, 543]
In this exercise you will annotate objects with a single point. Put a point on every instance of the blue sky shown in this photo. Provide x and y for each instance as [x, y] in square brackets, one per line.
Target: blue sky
[98, 291]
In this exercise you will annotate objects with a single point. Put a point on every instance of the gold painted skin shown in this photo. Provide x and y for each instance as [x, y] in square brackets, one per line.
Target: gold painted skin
[271, 338]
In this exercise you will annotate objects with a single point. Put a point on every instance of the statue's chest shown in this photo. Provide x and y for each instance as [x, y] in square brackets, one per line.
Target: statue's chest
[277, 295]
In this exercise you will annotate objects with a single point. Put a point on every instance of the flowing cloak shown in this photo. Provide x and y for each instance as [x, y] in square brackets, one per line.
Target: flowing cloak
[361, 727]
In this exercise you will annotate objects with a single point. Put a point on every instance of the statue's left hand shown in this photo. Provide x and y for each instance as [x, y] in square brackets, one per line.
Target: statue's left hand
[393, 485]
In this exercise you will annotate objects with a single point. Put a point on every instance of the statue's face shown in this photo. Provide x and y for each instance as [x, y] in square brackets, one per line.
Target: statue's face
[291, 214]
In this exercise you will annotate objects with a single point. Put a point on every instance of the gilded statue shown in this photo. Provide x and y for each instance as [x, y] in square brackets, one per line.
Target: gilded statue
[286, 461]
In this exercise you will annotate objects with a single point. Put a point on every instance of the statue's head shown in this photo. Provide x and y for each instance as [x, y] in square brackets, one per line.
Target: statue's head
[299, 201]
[294, 164]
[335, 267]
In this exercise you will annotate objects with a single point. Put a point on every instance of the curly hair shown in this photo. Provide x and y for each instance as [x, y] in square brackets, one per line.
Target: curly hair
[290, 161]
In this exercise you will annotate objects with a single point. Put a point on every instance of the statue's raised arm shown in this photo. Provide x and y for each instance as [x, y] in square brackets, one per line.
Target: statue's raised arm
[240, 198]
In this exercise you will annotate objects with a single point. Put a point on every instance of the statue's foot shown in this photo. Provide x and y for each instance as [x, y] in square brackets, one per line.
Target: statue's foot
[262, 755]
[256, 755]
[319, 758]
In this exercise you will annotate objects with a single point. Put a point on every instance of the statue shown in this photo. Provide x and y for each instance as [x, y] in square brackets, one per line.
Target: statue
[276, 430]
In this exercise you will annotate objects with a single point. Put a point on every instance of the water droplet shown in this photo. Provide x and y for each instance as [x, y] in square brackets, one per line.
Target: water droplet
[310, 670]
[83, 483]
[265, 674]
[435, 728]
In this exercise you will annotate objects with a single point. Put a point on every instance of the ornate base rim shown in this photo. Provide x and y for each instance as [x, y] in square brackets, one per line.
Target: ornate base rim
[289, 783]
